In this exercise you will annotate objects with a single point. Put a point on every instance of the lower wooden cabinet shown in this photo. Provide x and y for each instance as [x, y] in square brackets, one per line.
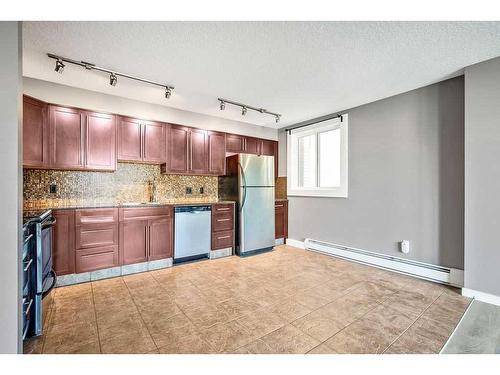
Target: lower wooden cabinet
[145, 234]
[63, 247]
[96, 239]
[281, 219]
[222, 226]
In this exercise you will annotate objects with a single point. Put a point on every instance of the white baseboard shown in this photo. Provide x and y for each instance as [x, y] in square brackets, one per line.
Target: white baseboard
[481, 296]
[445, 275]
[295, 243]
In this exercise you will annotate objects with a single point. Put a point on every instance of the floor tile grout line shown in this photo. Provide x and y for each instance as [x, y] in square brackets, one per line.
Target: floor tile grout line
[95, 316]
[139, 311]
[361, 317]
[413, 323]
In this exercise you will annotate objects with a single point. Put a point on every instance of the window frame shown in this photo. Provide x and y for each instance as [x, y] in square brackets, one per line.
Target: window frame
[293, 162]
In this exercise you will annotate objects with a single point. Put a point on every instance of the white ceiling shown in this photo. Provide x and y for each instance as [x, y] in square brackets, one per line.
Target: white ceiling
[300, 69]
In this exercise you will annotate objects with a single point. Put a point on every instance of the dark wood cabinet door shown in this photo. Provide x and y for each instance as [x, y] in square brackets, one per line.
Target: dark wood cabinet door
[35, 133]
[63, 248]
[216, 153]
[160, 238]
[154, 142]
[66, 138]
[235, 143]
[177, 149]
[100, 152]
[281, 219]
[133, 242]
[198, 151]
[267, 147]
[252, 145]
[129, 139]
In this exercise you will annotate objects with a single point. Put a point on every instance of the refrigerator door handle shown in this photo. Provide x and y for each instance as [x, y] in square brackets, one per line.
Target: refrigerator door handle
[244, 186]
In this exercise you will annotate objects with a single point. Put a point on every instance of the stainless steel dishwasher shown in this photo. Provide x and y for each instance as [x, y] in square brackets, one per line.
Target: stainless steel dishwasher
[192, 233]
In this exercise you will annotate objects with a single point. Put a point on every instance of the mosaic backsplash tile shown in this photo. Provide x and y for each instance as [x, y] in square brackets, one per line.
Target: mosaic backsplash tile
[280, 191]
[129, 183]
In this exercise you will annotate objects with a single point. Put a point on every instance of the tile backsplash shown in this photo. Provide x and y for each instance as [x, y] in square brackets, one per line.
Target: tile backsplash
[129, 183]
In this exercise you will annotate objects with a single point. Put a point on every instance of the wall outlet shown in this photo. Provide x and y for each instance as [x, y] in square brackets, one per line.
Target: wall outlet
[405, 246]
[189, 190]
[202, 190]
[53, 188]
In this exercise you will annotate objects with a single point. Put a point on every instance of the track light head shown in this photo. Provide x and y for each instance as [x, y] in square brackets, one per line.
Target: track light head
[243, 111]
[59, 66]
[168, 93]
[277, 119]
[222, 105]
[113, 79]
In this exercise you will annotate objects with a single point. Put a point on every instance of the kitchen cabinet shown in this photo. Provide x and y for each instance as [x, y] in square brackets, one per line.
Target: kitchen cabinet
[281, 219]
[141, 141]
[146, 234]
[66, 138]
[100, 152]
[96, 239]
[235, 143]
[198, 151]
[216, 153]
[252, 145]
[160, 238]
[154, 142]
[63, 248]
[194, 151]
[35, 133]
[270, 148]
[177, 150]
[222, 226]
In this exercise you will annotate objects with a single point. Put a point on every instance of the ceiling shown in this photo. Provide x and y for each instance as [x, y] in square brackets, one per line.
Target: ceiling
[300, 69]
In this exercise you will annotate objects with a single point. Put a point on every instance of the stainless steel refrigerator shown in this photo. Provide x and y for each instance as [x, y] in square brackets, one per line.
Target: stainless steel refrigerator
[250, 181]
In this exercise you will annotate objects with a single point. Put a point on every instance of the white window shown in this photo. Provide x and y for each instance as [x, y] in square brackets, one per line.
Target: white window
[317, 159]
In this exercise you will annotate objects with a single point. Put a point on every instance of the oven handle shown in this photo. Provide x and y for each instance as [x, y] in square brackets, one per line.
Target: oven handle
[26, 240]
[49, 224]
[53, 283]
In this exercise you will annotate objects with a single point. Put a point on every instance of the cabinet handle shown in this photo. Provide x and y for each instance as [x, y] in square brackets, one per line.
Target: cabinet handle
[29, 306]
[223, 209]
[278, 205]
[146, 230]
[223, 219]
[223, 237]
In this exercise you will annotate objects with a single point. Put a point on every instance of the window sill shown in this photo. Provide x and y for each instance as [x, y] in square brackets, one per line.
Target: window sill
[317, 193]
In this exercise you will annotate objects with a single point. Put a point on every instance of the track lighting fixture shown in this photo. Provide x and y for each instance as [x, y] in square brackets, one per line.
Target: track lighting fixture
[59, 66]
[113, 75]
[112, 79]
[245, 108]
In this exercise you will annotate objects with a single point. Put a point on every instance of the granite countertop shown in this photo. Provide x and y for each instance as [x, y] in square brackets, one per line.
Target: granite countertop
[134, 205]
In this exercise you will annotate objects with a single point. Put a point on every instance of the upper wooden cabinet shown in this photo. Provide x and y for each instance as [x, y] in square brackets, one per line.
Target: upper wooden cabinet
[67, 131]
[252, 145]
[141, 141]
[177, 150]
[194, 151]
[59, 137]
[100, 152]
[235, 143]
[198, 151]
[216, 153]
[35, 133]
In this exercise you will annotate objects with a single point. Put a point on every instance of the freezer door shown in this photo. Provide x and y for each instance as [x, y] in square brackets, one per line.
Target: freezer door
[257, 170]
[257, 218]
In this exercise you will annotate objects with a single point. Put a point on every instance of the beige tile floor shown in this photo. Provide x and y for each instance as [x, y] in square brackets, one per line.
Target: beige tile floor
[285, 301]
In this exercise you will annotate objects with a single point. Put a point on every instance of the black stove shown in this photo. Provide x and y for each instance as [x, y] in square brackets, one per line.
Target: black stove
[39, 277]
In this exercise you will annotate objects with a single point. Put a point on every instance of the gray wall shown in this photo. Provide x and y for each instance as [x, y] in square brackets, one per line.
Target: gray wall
[71, 96]
[11, 186]
[406, 162]
[482, 176]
